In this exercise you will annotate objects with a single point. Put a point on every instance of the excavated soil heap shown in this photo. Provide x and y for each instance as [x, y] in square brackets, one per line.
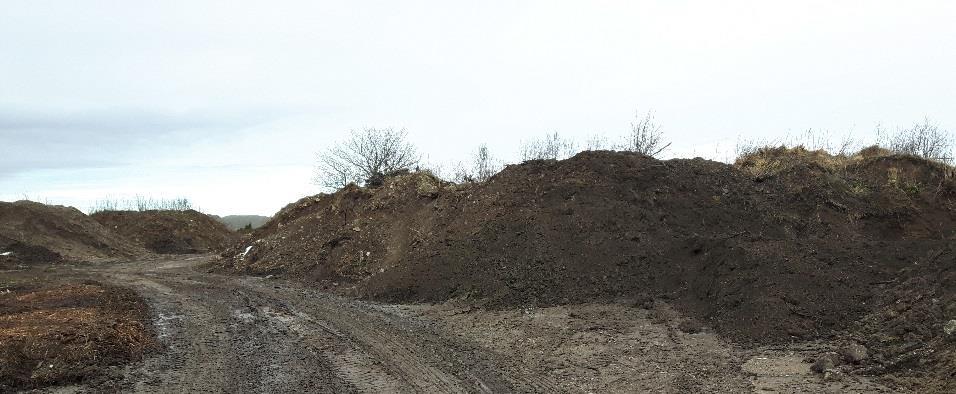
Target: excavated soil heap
[786, 244]
[169, 232]
[31, 233]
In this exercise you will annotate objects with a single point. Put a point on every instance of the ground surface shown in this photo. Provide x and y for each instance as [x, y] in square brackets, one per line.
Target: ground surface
[248, 334]
[56, 333]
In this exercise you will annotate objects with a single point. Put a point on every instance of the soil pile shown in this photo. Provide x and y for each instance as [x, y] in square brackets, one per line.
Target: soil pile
[32, 233]
[169, 232]
[913, 327]
[765, 253]
[68, 333]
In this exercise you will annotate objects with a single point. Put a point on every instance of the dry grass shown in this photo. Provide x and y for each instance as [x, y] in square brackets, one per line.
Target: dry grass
[68, 333]
[770, 161]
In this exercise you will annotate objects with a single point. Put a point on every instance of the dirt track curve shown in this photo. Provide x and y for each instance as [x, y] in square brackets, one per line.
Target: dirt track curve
[241, 334]
[247, 334]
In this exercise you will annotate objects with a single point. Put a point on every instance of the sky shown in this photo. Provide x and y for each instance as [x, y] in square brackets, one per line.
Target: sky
[227, 102]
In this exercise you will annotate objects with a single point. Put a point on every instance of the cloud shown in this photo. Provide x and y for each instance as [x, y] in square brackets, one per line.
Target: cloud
[33, 139]
[126, 120]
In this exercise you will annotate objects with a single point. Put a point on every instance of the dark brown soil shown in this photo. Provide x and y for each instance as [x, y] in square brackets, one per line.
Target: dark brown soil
[68, 333]
[16, 254]
[169, 232]
[766, 251]
[36, 233]
[908, 326]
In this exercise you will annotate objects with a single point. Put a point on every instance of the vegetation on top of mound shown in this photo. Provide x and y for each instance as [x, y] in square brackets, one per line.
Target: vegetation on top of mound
[923, 140]
[366, 157]
[142, 204]
[371, 155]
[771, 161]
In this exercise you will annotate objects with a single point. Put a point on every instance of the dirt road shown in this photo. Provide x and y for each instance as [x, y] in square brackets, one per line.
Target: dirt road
[251, 334]
[248, 334]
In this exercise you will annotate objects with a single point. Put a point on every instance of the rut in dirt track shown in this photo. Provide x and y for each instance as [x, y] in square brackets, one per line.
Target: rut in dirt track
[256, 335]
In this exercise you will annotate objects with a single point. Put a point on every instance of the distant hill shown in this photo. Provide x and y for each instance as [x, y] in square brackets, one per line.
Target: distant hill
[235, 222]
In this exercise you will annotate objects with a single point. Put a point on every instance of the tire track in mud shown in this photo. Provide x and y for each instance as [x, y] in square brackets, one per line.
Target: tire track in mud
[351, 364]
[245, 334]
[211, 347]
[189, 333]
[426, 359]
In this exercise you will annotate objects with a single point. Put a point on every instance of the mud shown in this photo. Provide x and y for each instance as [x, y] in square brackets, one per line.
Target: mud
[245, 334]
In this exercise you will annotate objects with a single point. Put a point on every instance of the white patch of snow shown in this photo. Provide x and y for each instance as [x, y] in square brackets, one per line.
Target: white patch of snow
[245, 252]
[6, 253]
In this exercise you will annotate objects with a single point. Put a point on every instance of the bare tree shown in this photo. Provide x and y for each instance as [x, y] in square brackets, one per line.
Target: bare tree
[365, 157]
[645, 136]
[924, 139]
[551, 147]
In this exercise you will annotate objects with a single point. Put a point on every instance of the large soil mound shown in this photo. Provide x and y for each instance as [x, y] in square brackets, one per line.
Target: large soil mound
[36, 233]
[786, 244]
[169, 232]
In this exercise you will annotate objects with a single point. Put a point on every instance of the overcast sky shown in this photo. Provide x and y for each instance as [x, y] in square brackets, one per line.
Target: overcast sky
[226, 102]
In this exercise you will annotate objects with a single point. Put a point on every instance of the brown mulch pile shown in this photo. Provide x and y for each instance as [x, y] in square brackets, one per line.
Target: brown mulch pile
[68, 333]
[786, 244]
[169, 232]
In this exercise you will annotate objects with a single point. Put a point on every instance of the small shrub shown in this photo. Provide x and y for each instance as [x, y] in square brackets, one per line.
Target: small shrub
[550, 147]
[924, 140]
[645, 137]
[483, 167]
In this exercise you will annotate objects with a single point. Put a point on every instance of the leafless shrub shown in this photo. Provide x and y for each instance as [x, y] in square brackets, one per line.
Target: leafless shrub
[816, 139]
[550, 147]
[41, 200]
[645, 136]
[924, 139]
[598, 142]
[748, 147]
[848, 145]
[367, 154]
[483, 167]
